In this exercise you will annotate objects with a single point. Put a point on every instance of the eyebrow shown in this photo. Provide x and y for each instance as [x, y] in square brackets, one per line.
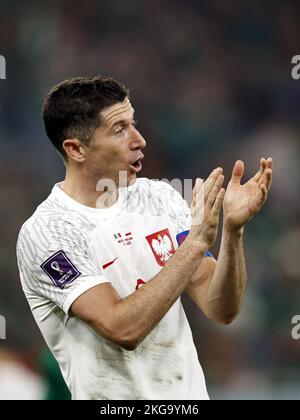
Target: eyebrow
[122, 121]
[118, 122]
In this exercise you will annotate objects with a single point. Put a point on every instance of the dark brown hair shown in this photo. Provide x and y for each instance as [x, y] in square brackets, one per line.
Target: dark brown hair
[72, 108]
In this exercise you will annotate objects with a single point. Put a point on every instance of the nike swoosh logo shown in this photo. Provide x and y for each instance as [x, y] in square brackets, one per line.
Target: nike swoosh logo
[110, 263]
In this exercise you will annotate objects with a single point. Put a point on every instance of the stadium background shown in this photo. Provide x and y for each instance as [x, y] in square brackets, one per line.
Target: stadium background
[211, 82]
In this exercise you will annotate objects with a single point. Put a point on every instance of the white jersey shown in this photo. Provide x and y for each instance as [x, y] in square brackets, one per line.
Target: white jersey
[66, 248]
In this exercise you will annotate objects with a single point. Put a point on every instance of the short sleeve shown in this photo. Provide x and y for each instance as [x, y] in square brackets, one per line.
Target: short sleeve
[55, 263]
[179, 212]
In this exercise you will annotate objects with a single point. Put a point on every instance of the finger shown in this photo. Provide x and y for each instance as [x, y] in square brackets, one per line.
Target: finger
[210, 182]
[194, 189]
[197, 208]
[269, 173]
[263, 194]
[215, 212]
[197, 187]
[215, 191]
[270, 163]
[237, 172]
[260, 198]
[258, 175]
[198, 194]
[264, 178]
[267, 179]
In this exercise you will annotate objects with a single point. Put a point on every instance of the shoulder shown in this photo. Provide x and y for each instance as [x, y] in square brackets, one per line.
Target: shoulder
[53, 225]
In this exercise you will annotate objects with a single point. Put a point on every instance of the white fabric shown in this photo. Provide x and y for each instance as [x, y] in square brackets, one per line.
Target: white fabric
[165, 365]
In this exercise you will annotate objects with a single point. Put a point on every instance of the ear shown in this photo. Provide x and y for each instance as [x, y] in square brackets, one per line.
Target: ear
[74, 150]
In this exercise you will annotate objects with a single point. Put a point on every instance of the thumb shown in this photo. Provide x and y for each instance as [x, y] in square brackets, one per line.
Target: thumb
[238, 172]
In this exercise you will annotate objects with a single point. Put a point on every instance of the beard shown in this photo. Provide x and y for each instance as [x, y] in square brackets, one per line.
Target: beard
[111, 176]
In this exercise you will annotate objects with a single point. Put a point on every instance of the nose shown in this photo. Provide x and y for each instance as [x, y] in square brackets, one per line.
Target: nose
[137, 140]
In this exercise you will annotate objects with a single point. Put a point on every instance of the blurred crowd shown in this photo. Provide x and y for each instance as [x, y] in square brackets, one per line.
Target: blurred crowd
[211, 82]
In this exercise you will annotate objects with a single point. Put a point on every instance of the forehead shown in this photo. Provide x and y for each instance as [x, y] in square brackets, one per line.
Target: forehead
[120, 111]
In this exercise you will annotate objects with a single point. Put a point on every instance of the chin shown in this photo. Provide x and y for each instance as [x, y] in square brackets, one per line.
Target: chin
[129, 180]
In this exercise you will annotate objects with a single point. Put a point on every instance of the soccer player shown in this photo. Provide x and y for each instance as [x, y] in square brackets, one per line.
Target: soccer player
[103, 269]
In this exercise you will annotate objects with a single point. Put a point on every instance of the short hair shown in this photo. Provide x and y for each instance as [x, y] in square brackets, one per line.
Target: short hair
[72, 108]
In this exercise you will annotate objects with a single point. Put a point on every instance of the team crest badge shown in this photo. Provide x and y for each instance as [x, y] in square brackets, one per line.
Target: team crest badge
[162, 246]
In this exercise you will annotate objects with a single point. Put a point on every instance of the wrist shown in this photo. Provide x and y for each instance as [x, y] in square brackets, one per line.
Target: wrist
[195, 245]
[233, 230]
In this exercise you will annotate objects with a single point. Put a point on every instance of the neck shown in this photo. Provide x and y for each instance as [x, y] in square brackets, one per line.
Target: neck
[82, 188]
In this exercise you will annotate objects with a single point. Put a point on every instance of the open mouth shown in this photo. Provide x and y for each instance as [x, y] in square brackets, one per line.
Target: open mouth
[137, 165]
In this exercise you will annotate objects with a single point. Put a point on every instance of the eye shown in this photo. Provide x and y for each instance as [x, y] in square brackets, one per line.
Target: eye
[121, 131]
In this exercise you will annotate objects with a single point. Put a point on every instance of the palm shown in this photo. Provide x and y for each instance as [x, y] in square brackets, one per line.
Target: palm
[242, 202]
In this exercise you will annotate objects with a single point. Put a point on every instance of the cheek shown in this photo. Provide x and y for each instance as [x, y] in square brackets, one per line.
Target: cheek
[101, 154]
[118, 154]
[110, 156]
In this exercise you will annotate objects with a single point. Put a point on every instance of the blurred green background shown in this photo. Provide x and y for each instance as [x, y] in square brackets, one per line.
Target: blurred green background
[211, 82]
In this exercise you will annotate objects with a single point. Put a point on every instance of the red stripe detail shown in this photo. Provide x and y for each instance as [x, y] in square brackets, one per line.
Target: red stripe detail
[127, 234]
[108, 264]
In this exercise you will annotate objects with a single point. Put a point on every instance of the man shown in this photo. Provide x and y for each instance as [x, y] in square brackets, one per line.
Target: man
[102, 268]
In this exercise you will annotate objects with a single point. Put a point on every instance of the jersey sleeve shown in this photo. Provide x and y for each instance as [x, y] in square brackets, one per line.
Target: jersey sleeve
[55, 262]
[180, 214]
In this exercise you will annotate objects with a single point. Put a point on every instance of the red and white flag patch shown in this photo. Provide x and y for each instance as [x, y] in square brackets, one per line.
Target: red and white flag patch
[124, 239]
